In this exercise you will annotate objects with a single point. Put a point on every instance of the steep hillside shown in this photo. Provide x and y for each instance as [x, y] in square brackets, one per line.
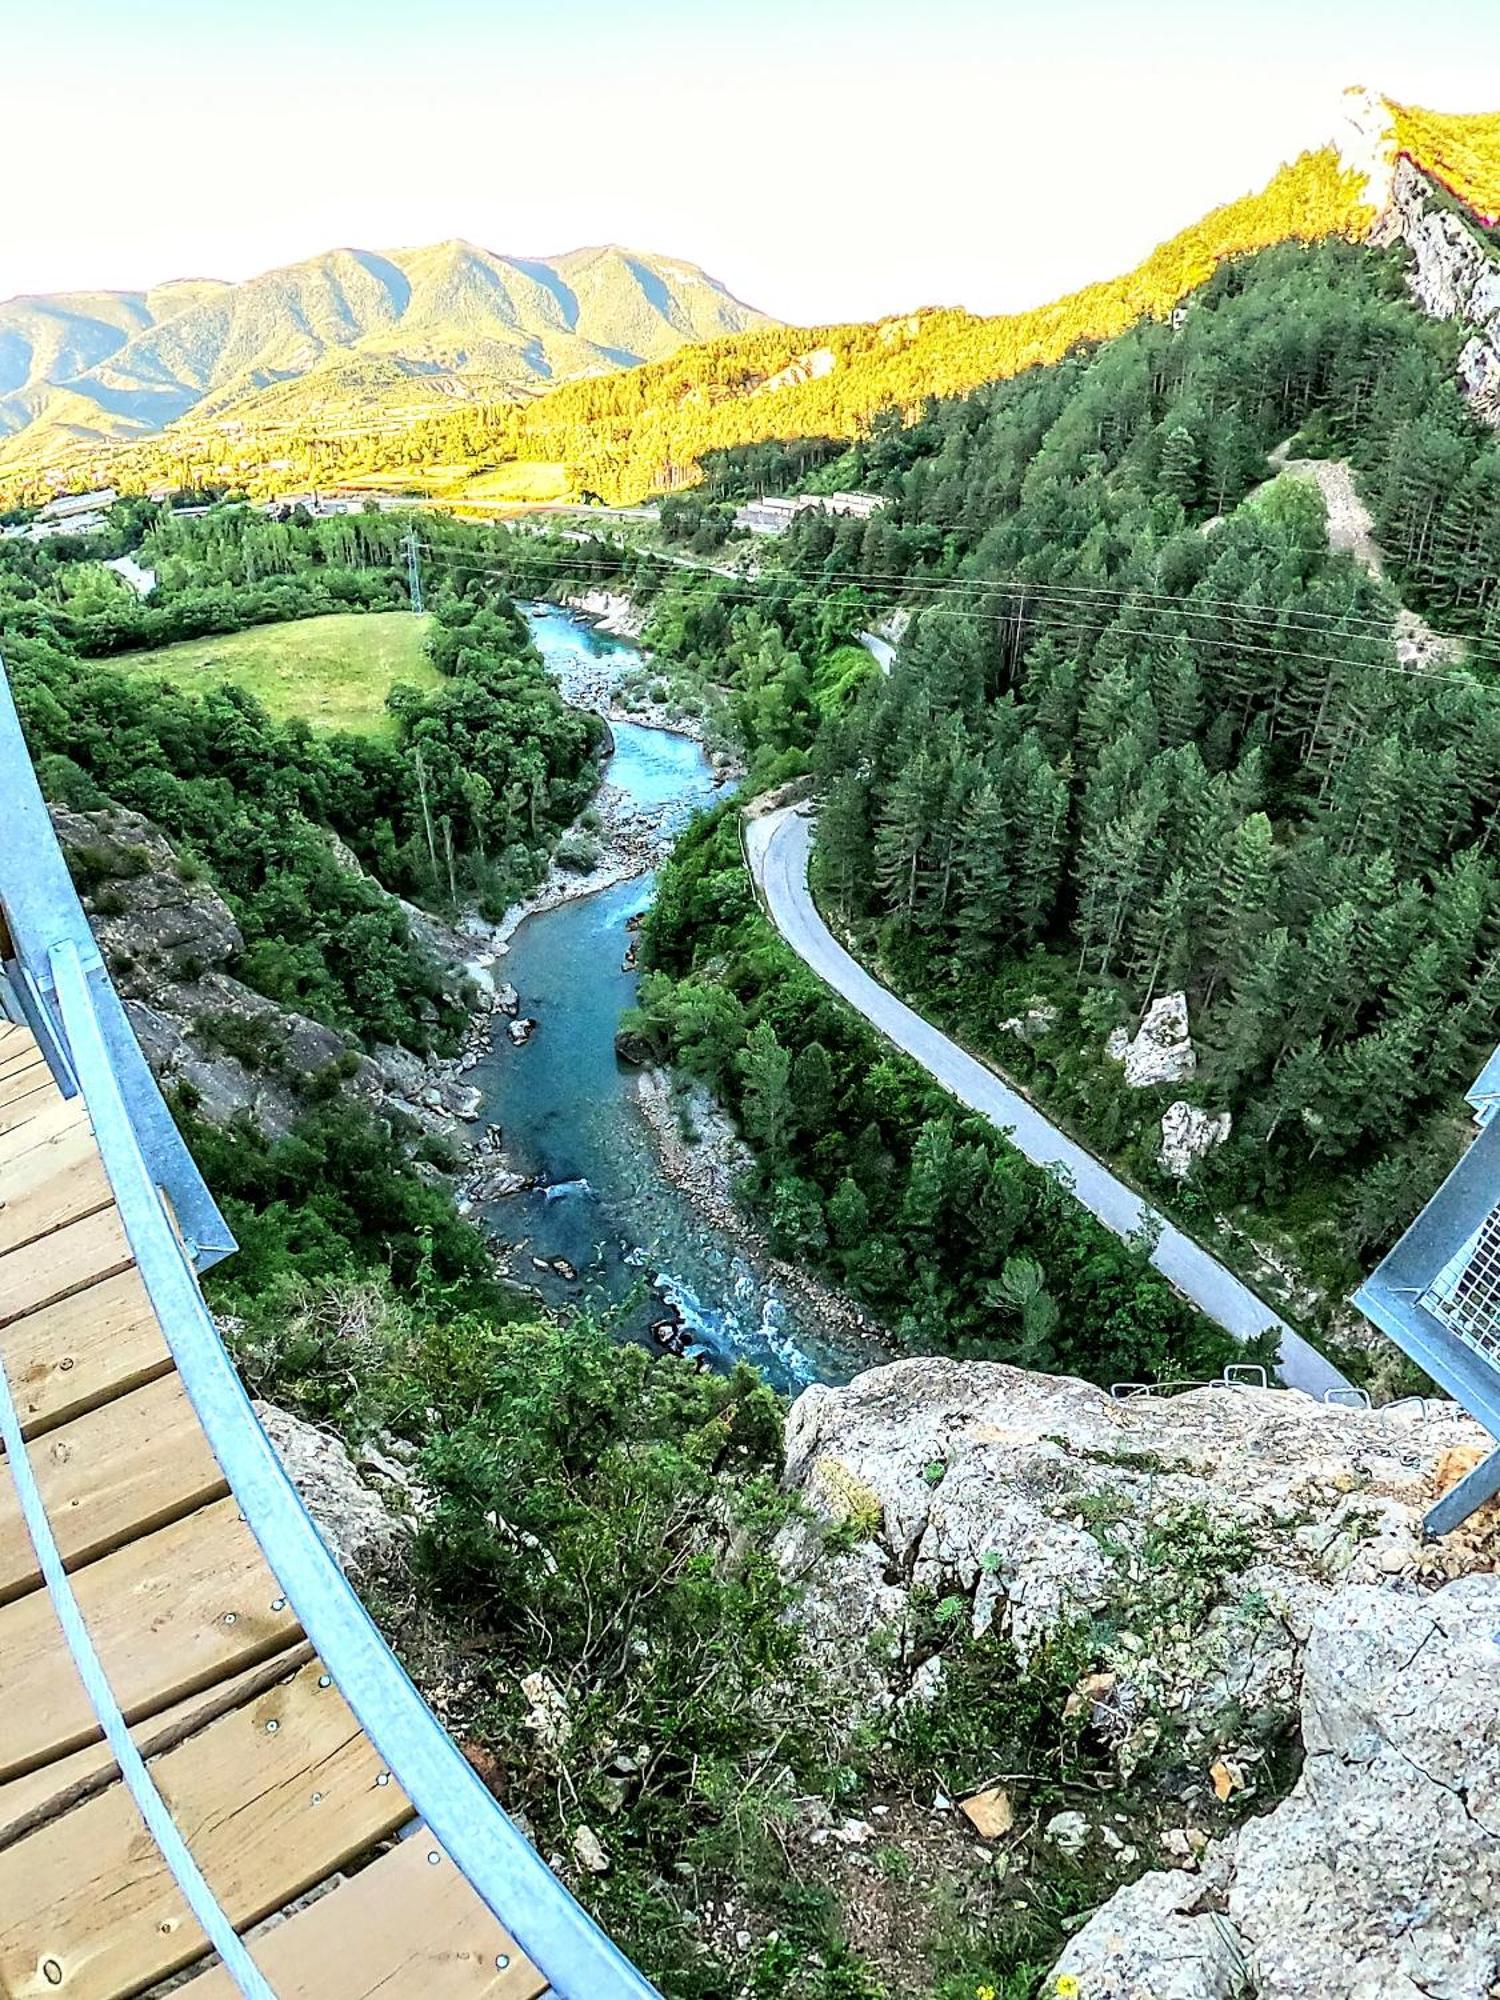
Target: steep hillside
[630, 436]
[446, 319]
[1462, 153]
[46, 341]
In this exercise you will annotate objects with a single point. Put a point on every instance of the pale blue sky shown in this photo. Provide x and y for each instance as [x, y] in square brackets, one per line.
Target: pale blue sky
[826, 158]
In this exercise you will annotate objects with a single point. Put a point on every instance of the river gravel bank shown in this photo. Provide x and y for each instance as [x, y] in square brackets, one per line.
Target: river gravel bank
[703, 1164]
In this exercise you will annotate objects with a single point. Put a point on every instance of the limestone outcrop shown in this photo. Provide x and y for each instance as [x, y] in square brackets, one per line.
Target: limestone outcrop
[1161, 1050]
[1378, 1878]
[1454, 276]
[365, 1537]
[1035, 1504]
[172, 944]
[985, 1482]
[1189, 1134]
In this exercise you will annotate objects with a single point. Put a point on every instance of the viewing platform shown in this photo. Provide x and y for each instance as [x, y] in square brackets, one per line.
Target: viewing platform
[208, 1755]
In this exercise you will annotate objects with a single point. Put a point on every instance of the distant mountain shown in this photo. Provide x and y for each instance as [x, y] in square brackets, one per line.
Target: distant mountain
[352, 329]
[647, 431]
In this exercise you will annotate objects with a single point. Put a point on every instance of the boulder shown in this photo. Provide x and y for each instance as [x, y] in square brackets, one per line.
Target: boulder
[521, 1031]
[633, 1046]
[1162, 1050]
[1038, 1020]
[364, 1537]
[1188, 1135]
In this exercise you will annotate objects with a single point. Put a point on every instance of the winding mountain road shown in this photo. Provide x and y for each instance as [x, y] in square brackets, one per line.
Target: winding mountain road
[778, 845]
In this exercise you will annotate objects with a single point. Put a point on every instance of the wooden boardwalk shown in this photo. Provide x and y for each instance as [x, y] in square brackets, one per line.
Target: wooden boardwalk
[303, 1835]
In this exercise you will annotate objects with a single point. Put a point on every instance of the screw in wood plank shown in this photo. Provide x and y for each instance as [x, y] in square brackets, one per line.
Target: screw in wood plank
[317, 1798]
[272, 1726]
[384, 1778]
[230, 1617]
[433, 1858]
[278, 1604]
[502, 1961]
[52, 1972]
[325, 1680]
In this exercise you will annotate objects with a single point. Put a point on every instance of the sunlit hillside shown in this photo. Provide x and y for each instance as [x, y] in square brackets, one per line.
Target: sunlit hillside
[1461, 152]
[380, 414]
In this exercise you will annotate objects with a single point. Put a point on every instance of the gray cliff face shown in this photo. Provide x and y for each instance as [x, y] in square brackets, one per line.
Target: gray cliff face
[171, 944]
[1454, 277]
[1378, 1878]
[1038, 1501]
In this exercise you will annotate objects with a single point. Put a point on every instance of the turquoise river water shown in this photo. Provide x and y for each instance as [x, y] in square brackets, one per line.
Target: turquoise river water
[568, 1107]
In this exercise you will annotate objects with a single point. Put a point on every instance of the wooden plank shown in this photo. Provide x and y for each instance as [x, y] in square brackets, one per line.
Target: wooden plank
[272, 1799]
[20, 1078]
[27, 1802]
[50, 1174]
[18, 1056]
[401, 1928]
[174, 1612]
[25, 1104]
[76, 1354]
[70, 1260]
[108, 1478]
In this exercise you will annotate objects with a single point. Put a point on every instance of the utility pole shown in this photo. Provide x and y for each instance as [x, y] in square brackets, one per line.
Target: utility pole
[413, 570]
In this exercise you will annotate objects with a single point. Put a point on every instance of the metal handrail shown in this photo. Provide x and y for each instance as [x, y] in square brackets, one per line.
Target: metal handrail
[502, 1866]
[153, 1808]
[40, 907]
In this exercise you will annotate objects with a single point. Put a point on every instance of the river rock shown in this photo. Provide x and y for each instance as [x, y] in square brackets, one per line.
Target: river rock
[497, 1184]
[633, 1047]
[1188, 1135]
[1162, 1050]
[610, 610]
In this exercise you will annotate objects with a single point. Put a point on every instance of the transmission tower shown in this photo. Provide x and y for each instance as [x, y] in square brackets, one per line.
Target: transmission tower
[413, 569]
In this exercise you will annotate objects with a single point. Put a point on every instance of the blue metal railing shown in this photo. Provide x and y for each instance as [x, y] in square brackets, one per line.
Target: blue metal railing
[41, 909]
[55, 960]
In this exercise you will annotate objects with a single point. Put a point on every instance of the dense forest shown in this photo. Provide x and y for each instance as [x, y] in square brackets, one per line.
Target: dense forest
[1145, 732]
[865, 1167]
[463, 800]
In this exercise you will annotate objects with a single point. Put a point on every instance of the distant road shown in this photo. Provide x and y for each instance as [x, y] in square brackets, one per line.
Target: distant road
[779, 845]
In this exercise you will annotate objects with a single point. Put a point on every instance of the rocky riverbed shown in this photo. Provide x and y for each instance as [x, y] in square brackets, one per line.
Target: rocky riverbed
[701, 1153]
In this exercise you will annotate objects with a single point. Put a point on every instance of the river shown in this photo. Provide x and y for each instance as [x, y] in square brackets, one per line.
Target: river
[568, 1108]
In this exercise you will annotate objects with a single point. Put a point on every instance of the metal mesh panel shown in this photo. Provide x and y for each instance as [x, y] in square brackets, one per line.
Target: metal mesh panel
[1465, 1294]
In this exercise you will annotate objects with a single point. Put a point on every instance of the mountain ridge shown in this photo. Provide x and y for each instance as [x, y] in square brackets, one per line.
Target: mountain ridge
[84, 368]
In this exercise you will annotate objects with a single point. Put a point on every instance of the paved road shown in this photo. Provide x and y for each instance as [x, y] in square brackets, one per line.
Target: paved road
[778, 845]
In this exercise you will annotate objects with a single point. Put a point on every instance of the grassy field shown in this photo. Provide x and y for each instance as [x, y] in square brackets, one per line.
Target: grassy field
[335, 671]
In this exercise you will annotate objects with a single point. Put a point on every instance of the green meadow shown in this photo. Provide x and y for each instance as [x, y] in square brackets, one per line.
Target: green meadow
[334, 671]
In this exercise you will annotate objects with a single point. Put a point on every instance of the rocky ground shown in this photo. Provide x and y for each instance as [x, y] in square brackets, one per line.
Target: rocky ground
[171, 945]
[1351, 531]
[1252, 1567]
[589, 682]
[701, 1153]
